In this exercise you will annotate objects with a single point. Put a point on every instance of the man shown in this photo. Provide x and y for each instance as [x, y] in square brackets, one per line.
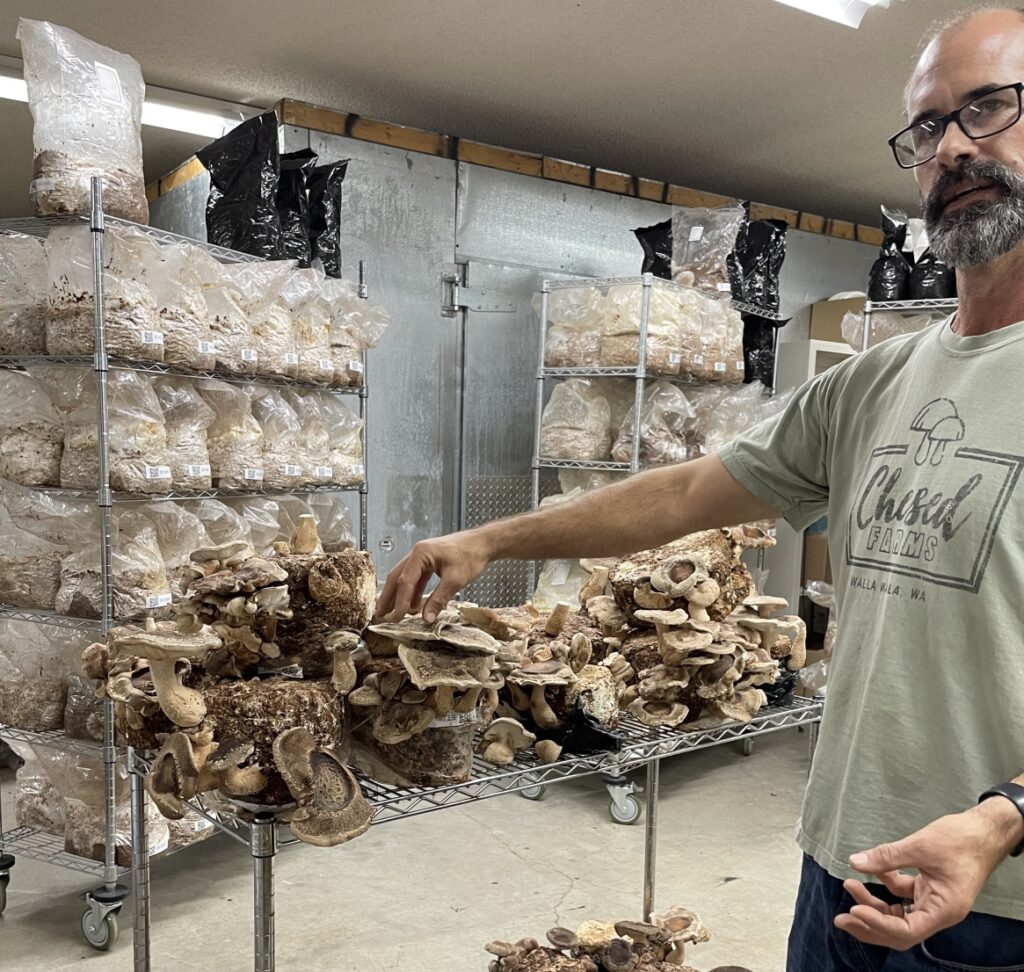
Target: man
[915, 449]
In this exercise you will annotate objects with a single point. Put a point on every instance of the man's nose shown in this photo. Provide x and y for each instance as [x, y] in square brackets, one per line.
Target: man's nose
[955, 148]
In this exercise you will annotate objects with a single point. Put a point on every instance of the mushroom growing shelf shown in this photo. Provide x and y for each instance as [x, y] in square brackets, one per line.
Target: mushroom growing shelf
[872, 307]
[643, 746]
[99, 922]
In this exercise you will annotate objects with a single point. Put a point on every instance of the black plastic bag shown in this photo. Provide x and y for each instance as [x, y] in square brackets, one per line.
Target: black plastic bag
[759, 341]
[931, 279]
[244, 168]
[889, 278]
[656, 241]
[324, 184]
[756, 263]
[293, 206]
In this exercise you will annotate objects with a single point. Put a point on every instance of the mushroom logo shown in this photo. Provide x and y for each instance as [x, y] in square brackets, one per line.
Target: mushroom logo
[940, 424]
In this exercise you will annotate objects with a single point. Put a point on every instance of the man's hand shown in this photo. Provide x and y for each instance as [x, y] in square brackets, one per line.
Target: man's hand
[457, 559]
[954, 857]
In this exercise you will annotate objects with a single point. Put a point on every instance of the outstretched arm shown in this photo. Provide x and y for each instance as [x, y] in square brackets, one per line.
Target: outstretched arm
[644, 511]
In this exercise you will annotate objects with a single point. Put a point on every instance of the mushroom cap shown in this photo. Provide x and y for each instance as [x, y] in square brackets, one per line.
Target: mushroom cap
[485, 618]
[932, 414]
[509, 731]
[562, 938]
[703, 593]
[642, 932]
[160, 642]
[292, 751]
[223, 552]
[654, 713]
[430, 667]
[758, 624]
[617, 956]
[368, 693]
[173, 776]
[595, 934]
[229, 752]
[950, 429]
[338, 811]
[766, 605]
[666, 618]
[731, 709]
[553, 672]
[677, 575]
[445, 628]
[682, 925]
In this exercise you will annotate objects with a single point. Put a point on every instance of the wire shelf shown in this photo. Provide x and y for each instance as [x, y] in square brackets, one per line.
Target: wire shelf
[91, 494]
[590, 373]
[54, 739]
[581, 464]
[41, 226]
[649, 280]
[26, 842]
[912, 306]
[48, 617]
[643, 743]
[154, 368]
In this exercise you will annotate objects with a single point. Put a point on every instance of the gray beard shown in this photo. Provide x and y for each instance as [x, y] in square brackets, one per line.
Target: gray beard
[979, 234]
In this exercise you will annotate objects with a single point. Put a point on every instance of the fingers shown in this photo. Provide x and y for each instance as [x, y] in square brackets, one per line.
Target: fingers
[443, 593]
[899, 932]
[385, 603]
[885, 857]
[899, 883]
[410, 585]
[861, 895]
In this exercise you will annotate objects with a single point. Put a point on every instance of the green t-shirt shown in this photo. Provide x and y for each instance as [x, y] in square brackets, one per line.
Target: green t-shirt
[915, 450]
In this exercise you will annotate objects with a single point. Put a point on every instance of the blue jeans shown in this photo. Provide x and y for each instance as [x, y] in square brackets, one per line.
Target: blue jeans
[980, 943]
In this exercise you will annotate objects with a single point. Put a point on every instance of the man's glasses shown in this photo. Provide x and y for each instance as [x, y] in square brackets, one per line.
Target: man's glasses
[987, 115]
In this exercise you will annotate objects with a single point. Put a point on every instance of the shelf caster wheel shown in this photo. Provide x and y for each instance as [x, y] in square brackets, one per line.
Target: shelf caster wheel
[625, 811]
[533, 792]
[4, 881]
[100, 932]
[747, 747]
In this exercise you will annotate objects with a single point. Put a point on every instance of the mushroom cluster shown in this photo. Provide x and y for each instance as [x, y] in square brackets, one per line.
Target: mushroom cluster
[687, 637]
[597, 946]
[208, 692]
[422, 692]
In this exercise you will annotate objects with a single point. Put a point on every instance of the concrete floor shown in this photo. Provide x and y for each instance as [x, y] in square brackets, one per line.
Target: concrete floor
[424, 894]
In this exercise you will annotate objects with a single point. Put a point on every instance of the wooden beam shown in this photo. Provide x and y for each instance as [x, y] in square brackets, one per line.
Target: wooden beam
[313, 117]
[810, 223]
[841, 229]
[500, 158]
[871, 235]
[558, 170]
[617, 182]
[179, 176]
[789, 216]
[681, 196]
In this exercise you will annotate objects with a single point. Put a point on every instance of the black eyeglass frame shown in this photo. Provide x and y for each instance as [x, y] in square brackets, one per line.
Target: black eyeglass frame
[954, 116]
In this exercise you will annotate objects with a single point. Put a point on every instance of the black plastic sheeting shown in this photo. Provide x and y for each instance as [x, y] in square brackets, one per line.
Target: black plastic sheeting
[756, 263]
[293, 206]
[656, 242]
[244, 167]
[931, 279]
[324, 184]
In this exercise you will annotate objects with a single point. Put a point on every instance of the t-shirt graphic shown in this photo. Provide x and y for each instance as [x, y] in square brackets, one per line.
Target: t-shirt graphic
[930, 507]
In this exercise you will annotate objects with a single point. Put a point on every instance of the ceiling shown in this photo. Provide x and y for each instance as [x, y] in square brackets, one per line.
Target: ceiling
[748, 98]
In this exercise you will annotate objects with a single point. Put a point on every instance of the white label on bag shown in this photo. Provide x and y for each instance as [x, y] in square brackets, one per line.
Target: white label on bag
[454, 720]
[323, 472]
[674, 359]
[152, 337]
[720, 367]
[158, 472]
[207, 347]
[161, 845]
[248, 354]
[698, 359]
[290, 470]
[723, 287]
[109, 84]
[198, 470]
[291, 358]
[43, 184]
[254, 475]
[696, 234]
[740, 366]
[157, 600]
[356, 366]
[326, 364]
[359, 469]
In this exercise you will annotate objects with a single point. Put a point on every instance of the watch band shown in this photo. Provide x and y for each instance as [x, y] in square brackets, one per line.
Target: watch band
[1013, 792]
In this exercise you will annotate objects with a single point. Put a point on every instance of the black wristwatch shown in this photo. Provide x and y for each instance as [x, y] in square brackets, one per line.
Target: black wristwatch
[1013, 792]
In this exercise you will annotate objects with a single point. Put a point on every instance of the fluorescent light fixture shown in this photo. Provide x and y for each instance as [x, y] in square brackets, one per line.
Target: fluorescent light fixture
[848, 12]
[172, 110]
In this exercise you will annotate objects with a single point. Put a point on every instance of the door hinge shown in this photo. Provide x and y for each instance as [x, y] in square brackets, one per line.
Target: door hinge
[455, 297]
